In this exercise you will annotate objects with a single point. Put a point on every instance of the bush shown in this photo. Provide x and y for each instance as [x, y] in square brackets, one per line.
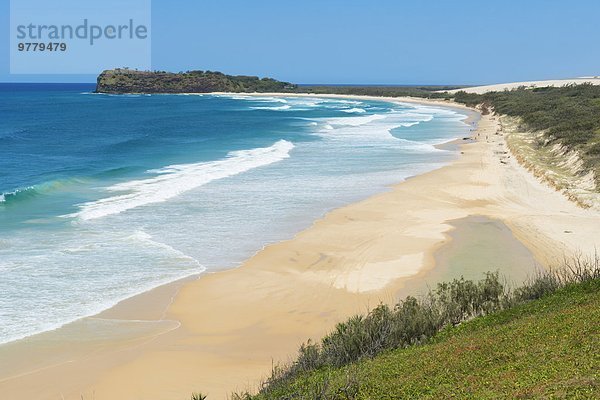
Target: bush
[414, 321]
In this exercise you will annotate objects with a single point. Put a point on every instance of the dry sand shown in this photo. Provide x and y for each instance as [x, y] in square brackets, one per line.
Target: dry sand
[594, 80]
[222, 331]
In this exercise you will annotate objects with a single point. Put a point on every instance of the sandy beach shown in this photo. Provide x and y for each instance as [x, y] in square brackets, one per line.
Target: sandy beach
[593, 80]
[223, 331]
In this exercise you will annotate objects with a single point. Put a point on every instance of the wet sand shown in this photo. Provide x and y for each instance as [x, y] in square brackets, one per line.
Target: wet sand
[478, 244]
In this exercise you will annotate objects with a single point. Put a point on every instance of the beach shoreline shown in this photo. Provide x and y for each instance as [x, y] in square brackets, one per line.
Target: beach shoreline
[233, 323]
[400, 99]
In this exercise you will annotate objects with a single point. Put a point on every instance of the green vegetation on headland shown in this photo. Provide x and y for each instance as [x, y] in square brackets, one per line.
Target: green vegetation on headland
[463, 340]
[122, 80]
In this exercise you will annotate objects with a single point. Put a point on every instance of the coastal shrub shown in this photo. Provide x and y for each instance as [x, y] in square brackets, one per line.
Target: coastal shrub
[546, 348]
[415, 321]
[240, 396]
[461, 299]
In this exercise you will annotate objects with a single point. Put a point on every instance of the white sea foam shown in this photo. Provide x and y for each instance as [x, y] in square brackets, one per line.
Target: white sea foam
[347, 101]
[355, 121]
[376, 129]
[276, 108]
[234, 97]
[306, 102]
[322, 102]
[355, 110]
[421, 147]
[16, 192]
[433, 110]
[271, 99]
[79, 249]
[74, 306]
[174, 180]
[146, 239]
[297, 103]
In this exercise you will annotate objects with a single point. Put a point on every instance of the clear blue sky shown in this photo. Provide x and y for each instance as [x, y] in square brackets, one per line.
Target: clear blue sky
[387, 41]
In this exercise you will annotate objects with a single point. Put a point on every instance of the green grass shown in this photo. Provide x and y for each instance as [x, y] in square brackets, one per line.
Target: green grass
[547, 348]
[463, 339]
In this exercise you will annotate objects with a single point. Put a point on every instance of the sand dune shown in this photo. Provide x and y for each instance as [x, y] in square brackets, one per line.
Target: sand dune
[595, 80]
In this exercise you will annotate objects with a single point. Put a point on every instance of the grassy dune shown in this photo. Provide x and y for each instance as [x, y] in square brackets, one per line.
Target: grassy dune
[463, 340]
[549, 348]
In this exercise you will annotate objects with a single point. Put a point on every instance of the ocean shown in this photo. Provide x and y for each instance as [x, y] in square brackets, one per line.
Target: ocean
[106, 196]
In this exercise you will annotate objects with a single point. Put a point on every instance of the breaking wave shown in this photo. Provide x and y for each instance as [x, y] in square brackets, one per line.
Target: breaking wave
[174, 180]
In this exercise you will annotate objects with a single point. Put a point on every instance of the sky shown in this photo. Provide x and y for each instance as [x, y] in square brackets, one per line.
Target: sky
[460, 42]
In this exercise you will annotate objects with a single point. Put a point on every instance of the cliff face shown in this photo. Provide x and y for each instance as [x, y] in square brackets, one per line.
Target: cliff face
[130, 81]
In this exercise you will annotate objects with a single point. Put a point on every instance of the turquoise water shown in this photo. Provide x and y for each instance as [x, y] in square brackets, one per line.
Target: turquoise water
[103, 197]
